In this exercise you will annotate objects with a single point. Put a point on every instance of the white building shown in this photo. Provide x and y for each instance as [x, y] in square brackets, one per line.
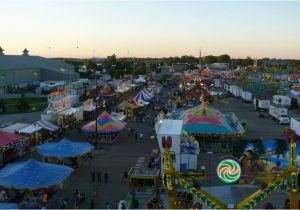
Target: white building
[183, 158]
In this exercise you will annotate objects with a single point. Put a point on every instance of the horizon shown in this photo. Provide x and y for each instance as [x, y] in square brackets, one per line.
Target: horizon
[151, 29]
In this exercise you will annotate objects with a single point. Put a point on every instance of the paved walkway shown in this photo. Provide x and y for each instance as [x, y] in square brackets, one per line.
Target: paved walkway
[113, 159]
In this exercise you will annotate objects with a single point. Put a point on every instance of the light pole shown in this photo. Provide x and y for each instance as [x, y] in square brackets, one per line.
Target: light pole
[209, 167]
[114, 72]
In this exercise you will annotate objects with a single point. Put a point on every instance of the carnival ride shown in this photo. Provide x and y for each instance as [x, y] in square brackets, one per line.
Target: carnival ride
[229, 171]
[265, 81]
[197, 94]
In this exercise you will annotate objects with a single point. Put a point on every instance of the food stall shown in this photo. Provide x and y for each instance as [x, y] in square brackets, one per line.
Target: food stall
[130, 109]
[12, 146]
[33, 132]
[142, 178]
[88, 109]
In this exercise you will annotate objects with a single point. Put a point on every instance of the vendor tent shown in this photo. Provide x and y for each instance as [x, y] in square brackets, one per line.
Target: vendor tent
[47, 125]
[64, 149]
[105, 124]
[30, 129]
[8, 138]
[205, 120]
[69, 111]
[15, 127]
[9, 206]
[128, 105]
[141, 99]
[147, 93]
[33, 174]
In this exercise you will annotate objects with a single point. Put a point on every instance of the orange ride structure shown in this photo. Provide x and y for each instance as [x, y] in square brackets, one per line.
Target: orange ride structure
[231, 169]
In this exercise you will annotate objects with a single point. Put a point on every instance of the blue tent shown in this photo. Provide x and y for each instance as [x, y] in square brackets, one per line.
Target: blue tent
[8, 206]
[33, 174]
[64, 149]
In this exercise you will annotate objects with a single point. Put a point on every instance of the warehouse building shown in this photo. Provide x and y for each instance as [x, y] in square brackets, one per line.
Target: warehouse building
[17, 71]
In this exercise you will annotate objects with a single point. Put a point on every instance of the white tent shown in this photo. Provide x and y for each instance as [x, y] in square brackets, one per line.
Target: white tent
[30, 129]
[15, 127]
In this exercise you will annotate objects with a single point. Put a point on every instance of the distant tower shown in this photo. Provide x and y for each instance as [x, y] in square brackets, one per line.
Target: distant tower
[1, 51]
[255, 63]
[25, 52]
[149, 71]
[200, 60]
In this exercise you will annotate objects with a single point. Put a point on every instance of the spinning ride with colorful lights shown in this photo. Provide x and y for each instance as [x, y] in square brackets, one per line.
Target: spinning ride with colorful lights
[229, 171]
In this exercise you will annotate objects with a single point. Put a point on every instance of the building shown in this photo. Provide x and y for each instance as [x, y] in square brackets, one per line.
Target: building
[180, 67]
[19, 71]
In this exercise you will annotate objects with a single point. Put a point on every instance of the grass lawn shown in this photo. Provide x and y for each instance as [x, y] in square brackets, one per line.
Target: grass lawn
[36, 104]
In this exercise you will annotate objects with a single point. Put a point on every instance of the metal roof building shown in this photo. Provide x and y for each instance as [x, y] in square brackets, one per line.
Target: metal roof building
[23, 70]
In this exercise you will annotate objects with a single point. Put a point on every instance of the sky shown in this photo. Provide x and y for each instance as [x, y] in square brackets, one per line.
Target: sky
[87, 28]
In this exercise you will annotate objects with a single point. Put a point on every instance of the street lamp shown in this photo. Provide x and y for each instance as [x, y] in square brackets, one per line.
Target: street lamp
[209, 167]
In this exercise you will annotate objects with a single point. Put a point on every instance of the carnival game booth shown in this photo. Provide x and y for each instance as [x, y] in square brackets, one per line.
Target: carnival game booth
[33, 132]
[65, 151]
[211, 128]
[49, 129]
[12, 146]
[88, 108]
[108, 128]
[34, 178]
[130, 108]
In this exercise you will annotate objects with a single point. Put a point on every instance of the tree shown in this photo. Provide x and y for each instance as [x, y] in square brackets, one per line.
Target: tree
[224, 58]
[248, 62]
[210, 59]
[239, 147]
[259, 148]
[3, 108]
[23, 103]
[281, 147]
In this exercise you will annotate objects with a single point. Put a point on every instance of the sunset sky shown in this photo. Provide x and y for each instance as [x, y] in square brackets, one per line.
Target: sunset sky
[150, 28]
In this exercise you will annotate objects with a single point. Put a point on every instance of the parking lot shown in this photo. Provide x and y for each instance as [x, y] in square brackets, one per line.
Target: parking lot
[256, 128]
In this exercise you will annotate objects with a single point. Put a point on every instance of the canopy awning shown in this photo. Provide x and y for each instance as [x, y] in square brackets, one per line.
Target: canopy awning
[33, 174]
[105, 124]
[68, 111]
[15, 127]
[30, 129]
[47, 125]
[64, 149]
[7, 138]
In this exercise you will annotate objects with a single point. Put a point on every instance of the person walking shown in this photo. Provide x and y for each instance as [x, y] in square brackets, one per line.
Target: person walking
[128, 131]
[107, 205]
[131, 131]
[93, 174]
[141, 137]
[105, 177]
[44, 200]
[99, 175]
[125, 176]
[92, 204]
[136, 136]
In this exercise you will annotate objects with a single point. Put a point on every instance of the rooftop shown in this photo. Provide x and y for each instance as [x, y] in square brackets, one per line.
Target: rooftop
[12, 62]
[170, 127]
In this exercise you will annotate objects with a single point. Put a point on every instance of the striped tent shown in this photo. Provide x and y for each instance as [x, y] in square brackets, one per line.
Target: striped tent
[47, 125]
[105, 124]
[142, 98]
[147, 94]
